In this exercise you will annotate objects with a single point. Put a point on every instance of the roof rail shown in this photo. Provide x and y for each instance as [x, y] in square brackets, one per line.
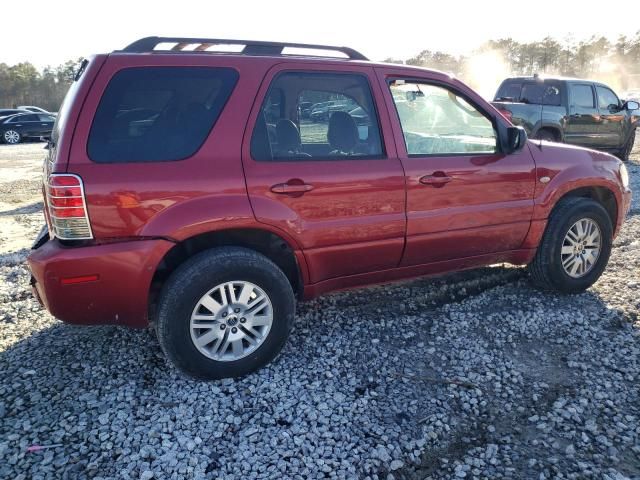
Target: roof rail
[251, 47]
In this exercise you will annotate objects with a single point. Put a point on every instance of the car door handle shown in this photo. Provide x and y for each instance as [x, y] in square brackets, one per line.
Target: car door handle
[438, 179]
[291, 188]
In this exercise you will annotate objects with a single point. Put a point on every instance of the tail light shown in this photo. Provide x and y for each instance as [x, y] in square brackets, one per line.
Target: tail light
[506, 114]
[67, 208]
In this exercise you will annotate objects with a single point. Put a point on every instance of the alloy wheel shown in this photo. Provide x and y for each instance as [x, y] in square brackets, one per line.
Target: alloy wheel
[581, 248]
[231, 321]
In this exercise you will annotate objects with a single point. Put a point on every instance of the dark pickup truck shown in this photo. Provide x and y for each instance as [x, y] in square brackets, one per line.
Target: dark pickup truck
[568, 110]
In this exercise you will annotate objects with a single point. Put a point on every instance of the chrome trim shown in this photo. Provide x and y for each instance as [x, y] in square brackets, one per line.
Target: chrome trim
[54, 219]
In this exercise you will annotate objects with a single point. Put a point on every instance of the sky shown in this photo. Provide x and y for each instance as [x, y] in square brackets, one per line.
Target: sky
[64, 29]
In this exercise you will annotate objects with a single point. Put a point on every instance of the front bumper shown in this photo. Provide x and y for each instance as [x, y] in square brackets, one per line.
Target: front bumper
[98, 284]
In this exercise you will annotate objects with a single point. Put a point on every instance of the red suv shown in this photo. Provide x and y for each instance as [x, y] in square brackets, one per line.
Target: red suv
[185, 188]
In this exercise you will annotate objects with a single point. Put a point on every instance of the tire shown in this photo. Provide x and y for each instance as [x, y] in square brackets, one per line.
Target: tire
[208, 274]
[11, 137]
[628, 147]
[547, 270]
[546, 135]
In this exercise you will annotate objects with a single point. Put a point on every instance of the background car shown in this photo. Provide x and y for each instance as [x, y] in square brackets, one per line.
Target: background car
[5, 112]
[15, 128]
[31, 108]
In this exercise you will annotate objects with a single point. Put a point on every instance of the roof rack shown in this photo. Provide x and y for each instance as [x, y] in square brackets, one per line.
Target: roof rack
[250, 47]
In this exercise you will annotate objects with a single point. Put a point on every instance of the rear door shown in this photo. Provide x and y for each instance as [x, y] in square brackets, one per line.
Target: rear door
[583, 121]
[330, 181]
[464, 197]
[612, 118]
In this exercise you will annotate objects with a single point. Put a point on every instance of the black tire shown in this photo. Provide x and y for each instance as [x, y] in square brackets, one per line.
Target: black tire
[628, 147]
[546, 135]
[192, 280]
[11, 137]
[546, 269]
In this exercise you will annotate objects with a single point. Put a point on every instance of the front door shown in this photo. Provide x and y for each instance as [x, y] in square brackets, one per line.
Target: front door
[464, 197]
[612, 118]
[322, 172]
[583, 120]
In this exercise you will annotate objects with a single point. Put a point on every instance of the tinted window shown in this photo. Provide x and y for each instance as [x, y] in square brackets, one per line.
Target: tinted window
[437, 121]
[158, 113]
[552, 93]
[46, 118]
[509, 91]
[582, 96]
[307, 116]
[24, 118]
[606, 98]
[532, 93]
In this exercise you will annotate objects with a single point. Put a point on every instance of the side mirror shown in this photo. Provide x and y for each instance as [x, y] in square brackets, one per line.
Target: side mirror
[516, 140]
[632, 105]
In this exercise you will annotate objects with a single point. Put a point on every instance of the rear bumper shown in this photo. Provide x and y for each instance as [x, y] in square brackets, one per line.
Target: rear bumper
[97, 285]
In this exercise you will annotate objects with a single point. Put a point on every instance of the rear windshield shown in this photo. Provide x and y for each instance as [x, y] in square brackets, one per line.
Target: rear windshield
[156, 114]
[534, 93]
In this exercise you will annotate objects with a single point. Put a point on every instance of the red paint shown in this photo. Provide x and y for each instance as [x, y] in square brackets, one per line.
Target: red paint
[348, 223]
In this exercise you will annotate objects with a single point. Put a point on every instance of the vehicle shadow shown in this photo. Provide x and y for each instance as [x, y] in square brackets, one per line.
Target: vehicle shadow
[24, 210]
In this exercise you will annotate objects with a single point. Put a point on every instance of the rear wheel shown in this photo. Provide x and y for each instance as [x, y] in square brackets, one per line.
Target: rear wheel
[11, 137]
[626, 150]
[575, 247]
[225, 313]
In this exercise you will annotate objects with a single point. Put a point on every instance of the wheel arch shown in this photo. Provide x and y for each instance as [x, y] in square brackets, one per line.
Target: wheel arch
[265, 242]
[600, 194]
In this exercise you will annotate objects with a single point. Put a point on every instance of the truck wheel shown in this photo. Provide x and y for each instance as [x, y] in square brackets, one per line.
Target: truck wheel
[546, 135]
[626, 150]
[575, 247]
[225, 312]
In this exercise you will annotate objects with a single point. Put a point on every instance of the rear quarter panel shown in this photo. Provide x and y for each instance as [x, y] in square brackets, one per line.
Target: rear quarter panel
[174, 199]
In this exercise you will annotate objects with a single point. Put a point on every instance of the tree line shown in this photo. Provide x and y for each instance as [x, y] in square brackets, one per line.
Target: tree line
[24, 84]
[614, 62]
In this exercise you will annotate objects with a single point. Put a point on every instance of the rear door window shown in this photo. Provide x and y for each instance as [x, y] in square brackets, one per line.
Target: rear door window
[156, 114]
[582, 96]
[317, 116]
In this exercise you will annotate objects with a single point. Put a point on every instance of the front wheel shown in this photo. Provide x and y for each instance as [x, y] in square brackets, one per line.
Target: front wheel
[575, 247]
[224, 313]
[11, 137]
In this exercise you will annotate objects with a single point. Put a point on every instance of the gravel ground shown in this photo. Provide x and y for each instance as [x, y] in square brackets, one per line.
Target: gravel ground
[474, 376]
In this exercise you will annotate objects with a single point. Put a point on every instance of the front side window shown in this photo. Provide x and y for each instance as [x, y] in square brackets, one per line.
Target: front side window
[607, 99]
[153, 114]
[317, 116]
[437, 121]
[583, 96]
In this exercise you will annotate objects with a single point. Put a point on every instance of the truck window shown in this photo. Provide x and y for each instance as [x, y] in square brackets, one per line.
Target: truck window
[509, 91]
[155, 114]
[606, 98]
[582, 96]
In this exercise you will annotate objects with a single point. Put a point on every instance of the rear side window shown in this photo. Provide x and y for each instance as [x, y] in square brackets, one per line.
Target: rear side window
[317, 116]
[583, 96]
[156, 114]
